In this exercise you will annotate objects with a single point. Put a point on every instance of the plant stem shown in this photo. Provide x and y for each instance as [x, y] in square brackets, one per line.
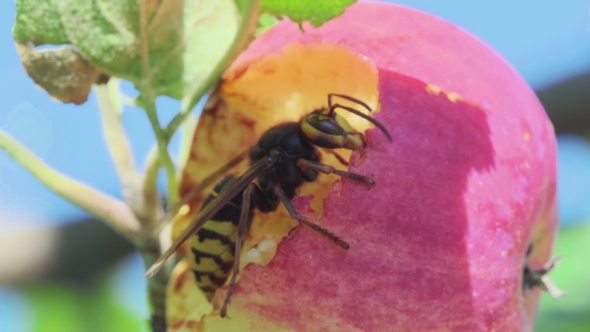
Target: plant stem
[241, 40]
[150, 189]
[147, 100]
[162, 140]
[113, 211]
[116, 138]
[188, 129]
[156, 286]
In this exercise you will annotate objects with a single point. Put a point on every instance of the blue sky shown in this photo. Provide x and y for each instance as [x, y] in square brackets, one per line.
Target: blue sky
[546, 41]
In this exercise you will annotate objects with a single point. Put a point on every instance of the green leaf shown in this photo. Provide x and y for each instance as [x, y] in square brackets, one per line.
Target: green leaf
[241, 5]
[164, 46]
[572, 311]
[317, 12]
[265, 22]
[39, 22]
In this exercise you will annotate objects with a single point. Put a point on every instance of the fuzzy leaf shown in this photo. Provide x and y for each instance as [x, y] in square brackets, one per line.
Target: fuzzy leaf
[166, 46]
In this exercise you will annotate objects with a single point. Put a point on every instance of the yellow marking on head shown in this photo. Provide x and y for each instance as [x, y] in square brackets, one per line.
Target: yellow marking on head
[343, 123]
[308, 130]
[354, 142]
[433, 89]
[350, 139]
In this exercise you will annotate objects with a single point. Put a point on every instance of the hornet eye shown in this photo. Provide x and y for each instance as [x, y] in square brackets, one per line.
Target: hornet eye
[325, 125]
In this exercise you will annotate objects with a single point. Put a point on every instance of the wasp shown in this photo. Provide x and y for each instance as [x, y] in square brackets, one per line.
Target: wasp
[285, 157]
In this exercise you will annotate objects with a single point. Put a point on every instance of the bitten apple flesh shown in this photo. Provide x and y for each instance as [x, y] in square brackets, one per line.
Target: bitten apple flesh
[439, 244]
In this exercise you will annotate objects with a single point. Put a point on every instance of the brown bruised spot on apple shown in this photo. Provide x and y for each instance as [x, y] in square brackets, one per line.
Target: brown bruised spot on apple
[439, 244]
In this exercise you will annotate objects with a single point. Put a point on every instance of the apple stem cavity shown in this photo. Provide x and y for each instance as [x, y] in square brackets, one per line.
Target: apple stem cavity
[540, 278]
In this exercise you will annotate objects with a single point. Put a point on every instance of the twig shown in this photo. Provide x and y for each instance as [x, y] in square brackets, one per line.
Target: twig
[162, 140]
[116, 138]
[150, 244]
[147, 101]
[188, 129]
[113, 211]
[150, 189]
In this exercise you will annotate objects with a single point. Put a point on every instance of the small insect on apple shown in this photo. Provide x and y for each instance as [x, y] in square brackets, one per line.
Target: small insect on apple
[284, 157]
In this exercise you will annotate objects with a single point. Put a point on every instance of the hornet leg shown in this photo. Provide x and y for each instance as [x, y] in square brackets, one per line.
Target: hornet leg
[339, 157]
[326, 169]
[242, 230]
[293, 212]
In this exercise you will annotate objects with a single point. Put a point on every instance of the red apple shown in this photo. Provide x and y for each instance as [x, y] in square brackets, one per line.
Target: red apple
[439, 244]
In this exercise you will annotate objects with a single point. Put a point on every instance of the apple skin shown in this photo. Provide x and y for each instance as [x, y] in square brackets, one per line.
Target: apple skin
[469, 181]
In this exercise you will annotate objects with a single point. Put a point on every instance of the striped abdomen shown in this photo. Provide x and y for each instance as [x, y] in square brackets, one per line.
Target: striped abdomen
[213, 245]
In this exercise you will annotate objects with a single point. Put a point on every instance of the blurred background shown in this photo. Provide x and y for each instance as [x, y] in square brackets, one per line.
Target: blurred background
[62, 270]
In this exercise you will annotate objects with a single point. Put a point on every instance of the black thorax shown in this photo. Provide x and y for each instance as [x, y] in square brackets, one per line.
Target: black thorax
[287, 140]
